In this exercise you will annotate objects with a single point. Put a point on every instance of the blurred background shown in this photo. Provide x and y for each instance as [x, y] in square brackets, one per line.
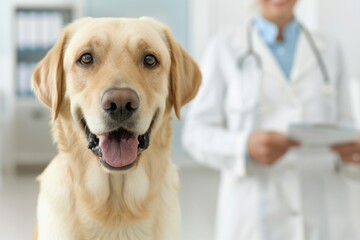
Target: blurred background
[28, 28]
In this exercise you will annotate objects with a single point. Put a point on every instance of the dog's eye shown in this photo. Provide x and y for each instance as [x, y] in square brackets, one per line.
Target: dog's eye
[86, 59]
[150, 61]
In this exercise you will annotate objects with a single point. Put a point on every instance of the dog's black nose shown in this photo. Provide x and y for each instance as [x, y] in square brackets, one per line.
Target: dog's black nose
[120, 104]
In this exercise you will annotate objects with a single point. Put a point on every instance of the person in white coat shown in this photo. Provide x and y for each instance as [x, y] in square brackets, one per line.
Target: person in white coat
[238, 123]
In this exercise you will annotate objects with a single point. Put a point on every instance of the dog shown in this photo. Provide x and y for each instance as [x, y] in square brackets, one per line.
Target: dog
[113, 86]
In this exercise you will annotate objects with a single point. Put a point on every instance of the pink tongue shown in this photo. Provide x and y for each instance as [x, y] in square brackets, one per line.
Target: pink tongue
[118, 152]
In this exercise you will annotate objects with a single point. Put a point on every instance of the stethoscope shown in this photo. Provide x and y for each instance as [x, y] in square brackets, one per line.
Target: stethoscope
[251, 76]
[251, 54]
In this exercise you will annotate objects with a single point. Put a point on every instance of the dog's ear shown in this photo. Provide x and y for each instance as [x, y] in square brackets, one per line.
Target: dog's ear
[185, 73]
[47, 77]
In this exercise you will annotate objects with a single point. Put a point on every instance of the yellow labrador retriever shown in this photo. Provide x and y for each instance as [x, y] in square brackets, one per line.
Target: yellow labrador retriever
[112, 85]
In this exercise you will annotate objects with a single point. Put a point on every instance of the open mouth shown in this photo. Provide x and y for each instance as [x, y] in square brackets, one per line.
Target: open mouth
[118, 149]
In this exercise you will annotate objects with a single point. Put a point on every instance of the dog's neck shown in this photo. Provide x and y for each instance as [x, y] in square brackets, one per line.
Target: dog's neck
[116, 194]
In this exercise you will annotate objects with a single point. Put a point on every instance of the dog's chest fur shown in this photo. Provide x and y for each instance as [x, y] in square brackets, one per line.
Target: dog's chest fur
[103, 206]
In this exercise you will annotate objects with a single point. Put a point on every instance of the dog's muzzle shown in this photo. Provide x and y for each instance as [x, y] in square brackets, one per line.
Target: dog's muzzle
[119, 149]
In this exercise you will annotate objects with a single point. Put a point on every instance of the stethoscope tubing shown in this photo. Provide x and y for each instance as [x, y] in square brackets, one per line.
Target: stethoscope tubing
[250, 52]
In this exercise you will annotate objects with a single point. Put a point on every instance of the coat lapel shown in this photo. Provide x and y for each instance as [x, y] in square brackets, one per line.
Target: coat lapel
[270, 65]
[304, 62]
[305, 59]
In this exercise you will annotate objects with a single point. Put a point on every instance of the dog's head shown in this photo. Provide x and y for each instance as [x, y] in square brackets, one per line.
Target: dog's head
[115, 79]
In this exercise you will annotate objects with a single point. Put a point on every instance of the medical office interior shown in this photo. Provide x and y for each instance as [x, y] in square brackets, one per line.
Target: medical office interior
[25, 142]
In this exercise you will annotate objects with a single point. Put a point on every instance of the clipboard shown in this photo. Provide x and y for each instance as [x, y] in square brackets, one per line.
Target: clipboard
[322, 135]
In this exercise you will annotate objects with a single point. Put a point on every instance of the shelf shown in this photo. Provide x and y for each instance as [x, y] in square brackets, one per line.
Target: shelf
[36, 29]
[31, 55]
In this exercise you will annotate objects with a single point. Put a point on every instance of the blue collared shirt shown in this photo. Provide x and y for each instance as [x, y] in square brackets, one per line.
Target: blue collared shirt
[284, 52]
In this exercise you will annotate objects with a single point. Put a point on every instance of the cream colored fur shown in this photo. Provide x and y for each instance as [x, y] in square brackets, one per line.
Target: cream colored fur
[79, 199]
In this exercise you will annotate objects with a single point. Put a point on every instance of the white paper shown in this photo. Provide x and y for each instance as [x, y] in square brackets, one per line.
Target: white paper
[32, 22]
[22, 31]
[322, 135]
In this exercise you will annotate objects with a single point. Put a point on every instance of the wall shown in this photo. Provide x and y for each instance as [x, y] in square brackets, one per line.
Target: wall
[4, 26]
[211, 16]
[5, 50]
[340, 19]
[172, 12]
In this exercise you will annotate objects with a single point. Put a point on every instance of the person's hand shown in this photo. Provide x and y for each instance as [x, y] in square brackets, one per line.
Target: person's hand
[267, 147]
[348, 152]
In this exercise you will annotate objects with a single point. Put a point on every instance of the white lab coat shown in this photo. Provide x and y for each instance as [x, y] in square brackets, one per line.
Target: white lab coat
[303, 196]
